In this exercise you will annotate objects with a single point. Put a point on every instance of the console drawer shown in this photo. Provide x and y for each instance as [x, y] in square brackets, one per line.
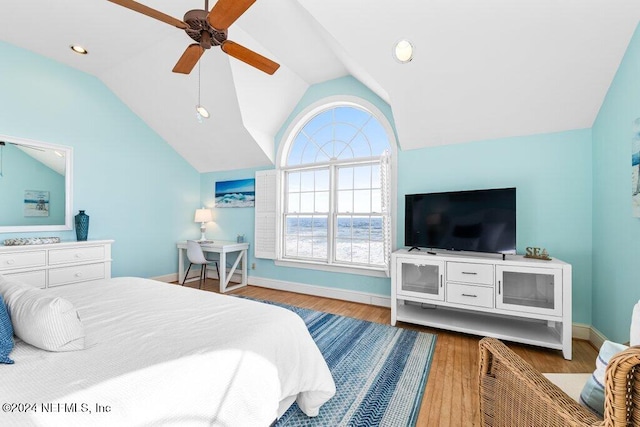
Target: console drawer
[23, 260]
[63, 256]
[479, 296]
[481, 274]
[78, 273]
[36, 278]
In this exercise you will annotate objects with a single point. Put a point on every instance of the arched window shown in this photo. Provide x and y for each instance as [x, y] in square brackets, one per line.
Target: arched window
[335, 183]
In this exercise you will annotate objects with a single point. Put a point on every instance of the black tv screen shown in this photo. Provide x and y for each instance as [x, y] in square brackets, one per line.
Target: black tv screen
[478, 221]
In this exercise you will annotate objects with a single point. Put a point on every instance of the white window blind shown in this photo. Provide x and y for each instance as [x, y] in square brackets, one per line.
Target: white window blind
[266, 233]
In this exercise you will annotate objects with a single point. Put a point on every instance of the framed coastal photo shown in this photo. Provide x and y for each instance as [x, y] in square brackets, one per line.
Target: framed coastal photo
[635, 169]
[240, 193]
[36, 203]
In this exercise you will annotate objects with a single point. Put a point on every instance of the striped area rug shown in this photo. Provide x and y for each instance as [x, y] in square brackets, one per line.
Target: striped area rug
[380, 371]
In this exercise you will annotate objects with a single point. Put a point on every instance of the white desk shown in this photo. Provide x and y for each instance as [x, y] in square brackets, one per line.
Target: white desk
[222, 247]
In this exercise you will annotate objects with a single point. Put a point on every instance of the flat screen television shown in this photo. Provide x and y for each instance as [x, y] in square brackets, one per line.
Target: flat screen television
[478, 220]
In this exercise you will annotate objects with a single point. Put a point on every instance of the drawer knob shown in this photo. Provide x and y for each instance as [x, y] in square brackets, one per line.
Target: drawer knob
[468, 272]
[11, 261]
[78, 274]
[78, 255]
[469, 295]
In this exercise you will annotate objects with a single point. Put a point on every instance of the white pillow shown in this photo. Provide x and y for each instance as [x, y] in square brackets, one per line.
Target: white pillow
[47, 322]
[634, 336]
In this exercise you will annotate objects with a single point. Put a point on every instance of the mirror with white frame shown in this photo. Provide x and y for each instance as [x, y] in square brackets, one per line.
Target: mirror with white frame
[35, 186]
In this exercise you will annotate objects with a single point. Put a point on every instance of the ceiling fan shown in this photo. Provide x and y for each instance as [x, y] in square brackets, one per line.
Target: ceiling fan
[208, 29]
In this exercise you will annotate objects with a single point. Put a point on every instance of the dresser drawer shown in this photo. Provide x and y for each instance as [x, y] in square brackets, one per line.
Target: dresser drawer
[34, 278]
[479, 296]
[64, 256]
[23, 260]
[79, 273]
[481, 274]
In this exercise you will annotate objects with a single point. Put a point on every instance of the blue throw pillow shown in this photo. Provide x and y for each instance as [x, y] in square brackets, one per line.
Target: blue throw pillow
[592, 395]
[6, 334]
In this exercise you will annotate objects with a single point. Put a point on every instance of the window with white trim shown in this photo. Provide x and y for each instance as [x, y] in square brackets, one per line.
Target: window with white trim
[333, 210]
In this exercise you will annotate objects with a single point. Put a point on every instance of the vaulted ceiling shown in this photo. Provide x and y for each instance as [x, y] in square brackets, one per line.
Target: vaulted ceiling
[482, 69]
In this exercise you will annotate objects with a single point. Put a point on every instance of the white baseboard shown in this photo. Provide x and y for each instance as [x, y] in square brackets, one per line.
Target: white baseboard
[579, 331]
[322, 291]
[173, 277]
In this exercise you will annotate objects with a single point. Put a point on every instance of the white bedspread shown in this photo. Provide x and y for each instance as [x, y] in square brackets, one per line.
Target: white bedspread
[161, 354]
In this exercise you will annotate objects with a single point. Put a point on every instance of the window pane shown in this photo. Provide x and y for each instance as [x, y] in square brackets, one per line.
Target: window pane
[343, 250]
[377, 253]
[376, 201]
[345, 178]
[291, 246]
[345, 201]
[293, 204]
[362, 177]
[322, 179]
[362, 201]
[292, 225]
[306, 202]
[306, 181]
[322, 201]
[305, 247]
[360, 251]
[344, 227]
[320, 248]
[376, 229]
[375, 176]
[360, 146]
[361, 227]
[294, 181]
[318, 121]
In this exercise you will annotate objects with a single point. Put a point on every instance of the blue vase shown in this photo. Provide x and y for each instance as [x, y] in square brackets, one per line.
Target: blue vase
[82, 226]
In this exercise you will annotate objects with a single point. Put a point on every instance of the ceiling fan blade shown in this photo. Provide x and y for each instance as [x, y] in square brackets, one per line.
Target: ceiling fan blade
[225, 12]
[146, 10]
[250, 57]
[189, 59]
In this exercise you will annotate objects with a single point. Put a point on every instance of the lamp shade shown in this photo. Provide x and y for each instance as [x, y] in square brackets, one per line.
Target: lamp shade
[203, 215]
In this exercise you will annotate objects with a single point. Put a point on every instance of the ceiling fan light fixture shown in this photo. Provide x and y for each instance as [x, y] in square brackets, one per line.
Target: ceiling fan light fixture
[202, 111]
[403, 51]
[79, 49]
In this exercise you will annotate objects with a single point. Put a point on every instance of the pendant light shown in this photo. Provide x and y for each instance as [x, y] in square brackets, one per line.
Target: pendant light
[201, 111]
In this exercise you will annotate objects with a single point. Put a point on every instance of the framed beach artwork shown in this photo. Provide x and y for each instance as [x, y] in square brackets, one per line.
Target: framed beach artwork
[36, 203]
[240, 193]
[635, 168]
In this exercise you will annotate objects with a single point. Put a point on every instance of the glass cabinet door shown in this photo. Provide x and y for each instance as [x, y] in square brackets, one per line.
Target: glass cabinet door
[531, 290]
[421, 279]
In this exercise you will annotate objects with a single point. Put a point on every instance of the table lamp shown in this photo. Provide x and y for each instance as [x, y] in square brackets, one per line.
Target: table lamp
[203, 216]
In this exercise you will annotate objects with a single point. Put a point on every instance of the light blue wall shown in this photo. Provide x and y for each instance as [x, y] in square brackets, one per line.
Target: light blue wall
[616, 234]
[552, 176]
[21, 173]
[134, 186]
[551, 172]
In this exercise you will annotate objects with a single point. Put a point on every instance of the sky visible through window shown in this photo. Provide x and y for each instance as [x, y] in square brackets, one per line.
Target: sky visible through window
[336, 136]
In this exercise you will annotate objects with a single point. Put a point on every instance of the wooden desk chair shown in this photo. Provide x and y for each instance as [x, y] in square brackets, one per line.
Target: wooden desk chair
[196, 256]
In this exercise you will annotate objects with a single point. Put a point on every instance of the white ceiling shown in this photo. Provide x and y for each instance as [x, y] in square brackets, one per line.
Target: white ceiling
[482, 69]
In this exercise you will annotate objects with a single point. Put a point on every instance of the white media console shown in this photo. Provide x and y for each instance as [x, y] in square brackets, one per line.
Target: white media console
[515, 299]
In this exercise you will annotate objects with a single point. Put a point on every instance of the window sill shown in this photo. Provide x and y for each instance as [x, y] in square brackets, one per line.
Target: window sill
[310, 265]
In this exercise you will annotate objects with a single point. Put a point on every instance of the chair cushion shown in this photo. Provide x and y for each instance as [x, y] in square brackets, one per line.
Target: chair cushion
[592, 395]
[634, 336]
[6, 334]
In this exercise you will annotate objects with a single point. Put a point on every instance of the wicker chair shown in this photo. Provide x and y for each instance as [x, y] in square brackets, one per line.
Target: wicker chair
[514, 394]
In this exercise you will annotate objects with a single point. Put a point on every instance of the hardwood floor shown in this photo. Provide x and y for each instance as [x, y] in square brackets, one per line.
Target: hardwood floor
[450, 397]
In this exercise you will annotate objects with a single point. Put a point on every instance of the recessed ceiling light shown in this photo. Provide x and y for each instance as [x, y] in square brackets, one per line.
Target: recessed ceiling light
[79, 49]
[403, 51]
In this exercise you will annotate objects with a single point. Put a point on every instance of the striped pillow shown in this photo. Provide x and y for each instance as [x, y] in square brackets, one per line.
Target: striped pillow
[6, 334]
[47, 322]
[592, 395]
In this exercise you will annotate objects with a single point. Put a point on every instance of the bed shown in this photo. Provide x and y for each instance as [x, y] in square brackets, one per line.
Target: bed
[157, 353]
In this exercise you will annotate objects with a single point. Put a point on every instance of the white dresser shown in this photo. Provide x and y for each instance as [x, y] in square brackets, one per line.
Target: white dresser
[57, 264]
[517, 299]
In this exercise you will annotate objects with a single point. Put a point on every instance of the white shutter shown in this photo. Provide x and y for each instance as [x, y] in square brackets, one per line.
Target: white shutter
[385, 185]
[266, 233]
